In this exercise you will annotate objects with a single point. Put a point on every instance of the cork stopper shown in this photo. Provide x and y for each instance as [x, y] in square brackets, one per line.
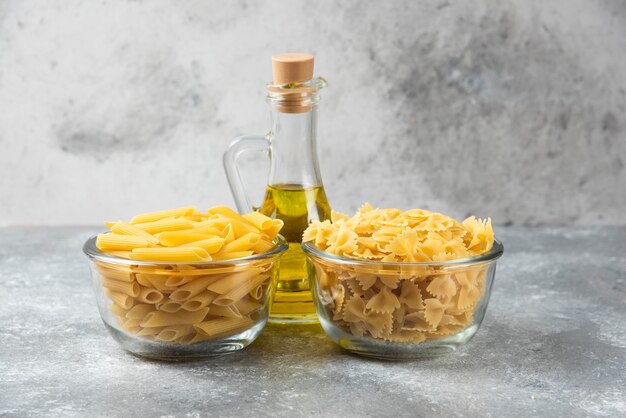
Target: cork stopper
[292, 68]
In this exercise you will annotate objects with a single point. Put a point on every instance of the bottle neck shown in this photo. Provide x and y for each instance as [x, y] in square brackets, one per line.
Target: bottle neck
[293, 148]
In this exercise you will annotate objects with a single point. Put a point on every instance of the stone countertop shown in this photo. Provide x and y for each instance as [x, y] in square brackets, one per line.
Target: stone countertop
[553, 343]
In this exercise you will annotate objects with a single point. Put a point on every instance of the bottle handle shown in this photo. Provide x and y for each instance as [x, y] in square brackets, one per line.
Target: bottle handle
[237, 147]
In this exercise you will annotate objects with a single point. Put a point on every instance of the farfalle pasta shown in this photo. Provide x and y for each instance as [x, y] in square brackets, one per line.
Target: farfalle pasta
[414, 299]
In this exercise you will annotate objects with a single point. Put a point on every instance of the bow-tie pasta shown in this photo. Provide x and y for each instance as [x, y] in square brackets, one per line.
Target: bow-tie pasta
[408, 304]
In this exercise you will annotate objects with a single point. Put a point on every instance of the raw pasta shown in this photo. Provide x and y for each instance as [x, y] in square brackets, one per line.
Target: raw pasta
[185, 303]
[412, 303]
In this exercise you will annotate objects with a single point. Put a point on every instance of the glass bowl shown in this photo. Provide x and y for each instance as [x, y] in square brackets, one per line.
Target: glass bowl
[400, 310]
[183, 311]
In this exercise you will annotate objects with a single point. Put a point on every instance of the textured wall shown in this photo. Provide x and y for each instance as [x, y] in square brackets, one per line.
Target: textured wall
[510, 109]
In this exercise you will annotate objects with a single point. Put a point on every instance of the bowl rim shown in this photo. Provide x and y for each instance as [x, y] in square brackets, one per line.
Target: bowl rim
[493, 254]
[91, 251]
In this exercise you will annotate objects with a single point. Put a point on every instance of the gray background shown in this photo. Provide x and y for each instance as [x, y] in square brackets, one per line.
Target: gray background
[513, 110]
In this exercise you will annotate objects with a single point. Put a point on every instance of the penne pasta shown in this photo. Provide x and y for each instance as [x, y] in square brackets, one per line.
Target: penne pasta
[177, 254]
[124, 228]
[231, 256]
[115, 273]
[175, 281]
[257, 293]
[199, 301]
[238, 293]
[167, 224]
[229, 311]
[174, 332]
[260, 221]
[118, 310]
[211, 245]
[120, 299]
[243, 243]
[221, 326]
[240, 226]
[194, 287]
[161, 214]
[127, 288]
[169, 306]
[176, 238]
[160, 319]
[149, 296]
[232, 281]
[149, 331]
[139, 311]
[262, 246]
[246, 305]
[110, 241]
[271, 233]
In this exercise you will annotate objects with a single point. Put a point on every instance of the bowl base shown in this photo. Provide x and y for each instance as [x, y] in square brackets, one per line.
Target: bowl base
[385, 350]
[164, 351]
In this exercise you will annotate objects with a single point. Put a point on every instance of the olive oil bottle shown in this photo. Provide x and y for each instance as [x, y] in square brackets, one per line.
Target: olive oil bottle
[295, 193]
[297, 206]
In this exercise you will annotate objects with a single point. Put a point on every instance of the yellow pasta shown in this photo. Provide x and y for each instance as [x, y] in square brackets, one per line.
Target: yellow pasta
[177, 254]
[231, 255]
[220, 326]
[139, 311]
[416, 303]
[165, 302]
[120, 299]
[211, 245]
[124, 228]
[239, 292]
[259, 220]
[158, 215]
[161, 319]
[199, 301]
[195, 287]
[113, 273]
[167, 224]
[176, 238]
[120, 242]
[127, 288]
[243, 243]
[118, 310]
[148, 295]
[227, 283]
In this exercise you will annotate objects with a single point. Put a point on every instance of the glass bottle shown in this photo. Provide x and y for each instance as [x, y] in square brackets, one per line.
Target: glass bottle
[294, 192]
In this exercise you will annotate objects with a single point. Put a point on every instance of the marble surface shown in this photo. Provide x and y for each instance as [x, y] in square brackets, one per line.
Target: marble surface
[553, 343]
[509, 109]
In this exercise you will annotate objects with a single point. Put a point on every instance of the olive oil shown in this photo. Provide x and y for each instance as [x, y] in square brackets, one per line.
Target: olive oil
[297, 206]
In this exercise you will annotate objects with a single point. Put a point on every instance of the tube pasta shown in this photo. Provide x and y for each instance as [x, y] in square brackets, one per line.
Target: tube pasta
[150, 296]
[114, 273]
[232, 256]
[199, 301]
[160, 319]
[178, 254]
[259, 220]
[232, 281]
[211, 245]
[238, 293]
[167, 224]
[120, 299]
[220, 326]
[194, 287]
[127, 288]
[176, 238]
[161, 214]
[190, 300]
[124, 228]
[112, 241]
